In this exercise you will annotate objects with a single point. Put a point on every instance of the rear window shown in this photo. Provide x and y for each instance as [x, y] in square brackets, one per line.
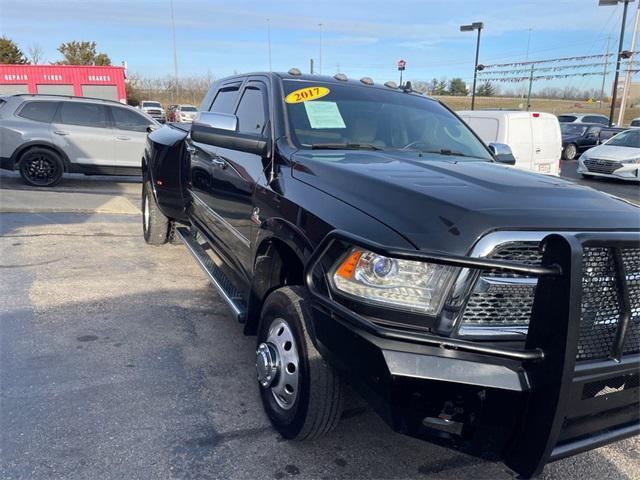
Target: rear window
[635, 123]
[39, 111]
[595, 119]
[566, 118]
[85, 114]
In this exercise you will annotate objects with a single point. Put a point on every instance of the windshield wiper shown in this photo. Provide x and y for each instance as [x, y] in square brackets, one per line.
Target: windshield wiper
[451, 153]
[344, 146]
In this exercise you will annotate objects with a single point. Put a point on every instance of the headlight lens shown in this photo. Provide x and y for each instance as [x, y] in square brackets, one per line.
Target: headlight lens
[631, 161]
[409, 285]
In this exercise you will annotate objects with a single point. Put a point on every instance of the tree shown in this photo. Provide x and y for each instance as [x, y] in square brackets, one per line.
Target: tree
[486, 90]
[10, 53]
[441, 87]
[457, 87]
[36, 54]
[82, 53]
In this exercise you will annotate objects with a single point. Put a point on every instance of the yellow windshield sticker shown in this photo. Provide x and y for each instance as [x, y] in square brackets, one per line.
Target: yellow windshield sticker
[306, 94]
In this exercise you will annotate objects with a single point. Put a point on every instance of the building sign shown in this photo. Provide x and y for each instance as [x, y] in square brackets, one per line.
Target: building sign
[52, 78]
[99, 78]
[16, 77]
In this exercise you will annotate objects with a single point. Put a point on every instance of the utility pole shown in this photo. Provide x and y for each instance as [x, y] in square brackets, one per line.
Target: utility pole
[175, 55]
[526, 55]
[269, 41]
[627, 77]
[530, 85]
[311, 66]
[604, 73]
[614, 94]
[337, 67]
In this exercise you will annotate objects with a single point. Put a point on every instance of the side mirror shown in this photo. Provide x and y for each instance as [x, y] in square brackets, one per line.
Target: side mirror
[502, 153]
[221, 130]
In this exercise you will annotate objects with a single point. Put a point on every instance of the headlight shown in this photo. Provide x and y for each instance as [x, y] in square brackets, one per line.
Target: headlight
[630, 161]
[405, 284]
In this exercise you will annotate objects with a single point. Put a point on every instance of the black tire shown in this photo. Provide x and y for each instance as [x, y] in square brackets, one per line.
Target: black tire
[155, 225]
[318, 403]
[41, 167]
[570, 152]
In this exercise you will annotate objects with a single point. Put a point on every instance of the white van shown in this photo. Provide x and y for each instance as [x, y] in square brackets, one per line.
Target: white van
[534, 137]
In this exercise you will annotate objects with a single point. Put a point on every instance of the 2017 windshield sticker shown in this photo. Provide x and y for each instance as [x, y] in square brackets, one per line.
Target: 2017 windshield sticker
[306, 94]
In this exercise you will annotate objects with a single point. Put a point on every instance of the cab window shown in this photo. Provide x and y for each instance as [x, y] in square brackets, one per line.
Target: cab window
[225, 99]
[250, 112]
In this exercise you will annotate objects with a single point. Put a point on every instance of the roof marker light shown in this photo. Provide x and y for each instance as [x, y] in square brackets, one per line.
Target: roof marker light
[294, 71]
[390, 84]
[366, 80]
[340, 76]
[536, 115]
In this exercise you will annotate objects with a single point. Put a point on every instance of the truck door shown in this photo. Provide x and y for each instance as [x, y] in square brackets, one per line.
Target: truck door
[235, 176]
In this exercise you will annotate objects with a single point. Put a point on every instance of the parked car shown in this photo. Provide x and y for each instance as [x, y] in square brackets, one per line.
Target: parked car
[618, 157]
[154, 110]
[577, 137]
[584, 118]
[364, 233]
[635, 122]
[607, 132]
[534, 137]
[44, 136]
[184, 113]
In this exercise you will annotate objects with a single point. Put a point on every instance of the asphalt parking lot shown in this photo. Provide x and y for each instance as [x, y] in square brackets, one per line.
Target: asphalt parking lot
[118, 360]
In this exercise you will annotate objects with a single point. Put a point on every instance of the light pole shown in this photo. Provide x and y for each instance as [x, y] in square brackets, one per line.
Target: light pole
[320, 59]
[614, 94]
[269, 40]
[470, 28]
[175, 55]
[627, 78]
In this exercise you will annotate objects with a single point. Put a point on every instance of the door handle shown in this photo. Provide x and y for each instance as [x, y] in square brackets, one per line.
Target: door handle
[61, 132]
[219, 162]
[123, 138]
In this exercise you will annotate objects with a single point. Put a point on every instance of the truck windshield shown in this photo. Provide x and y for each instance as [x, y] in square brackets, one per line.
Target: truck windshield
[151, 105]
[326, 115]
[188, 108]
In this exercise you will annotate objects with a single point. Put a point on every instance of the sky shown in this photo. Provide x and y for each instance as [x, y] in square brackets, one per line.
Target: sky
[359, 38]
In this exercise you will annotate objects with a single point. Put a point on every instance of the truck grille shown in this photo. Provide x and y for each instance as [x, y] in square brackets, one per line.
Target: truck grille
[506, 300]
[598, 165]
[602, 302]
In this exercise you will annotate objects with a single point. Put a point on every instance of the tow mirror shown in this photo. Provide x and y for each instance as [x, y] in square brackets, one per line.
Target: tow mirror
[221, 130]
[502, 153]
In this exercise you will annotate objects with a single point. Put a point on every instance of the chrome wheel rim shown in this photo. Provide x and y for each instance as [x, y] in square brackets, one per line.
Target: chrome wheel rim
[571, 152]
[145, 213]
[278, 364]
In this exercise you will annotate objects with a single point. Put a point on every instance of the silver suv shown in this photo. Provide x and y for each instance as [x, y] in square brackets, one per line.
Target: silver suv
[44, 136]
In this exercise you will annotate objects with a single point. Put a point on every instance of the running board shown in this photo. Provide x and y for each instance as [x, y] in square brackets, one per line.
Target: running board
[216, 276]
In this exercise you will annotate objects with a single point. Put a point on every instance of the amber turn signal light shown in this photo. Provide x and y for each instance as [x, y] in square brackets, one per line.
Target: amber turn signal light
[345, 270]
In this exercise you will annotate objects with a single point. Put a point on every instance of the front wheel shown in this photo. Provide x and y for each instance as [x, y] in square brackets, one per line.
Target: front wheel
[570, 152]
[155, 225]
[40, 167]
[301, 393]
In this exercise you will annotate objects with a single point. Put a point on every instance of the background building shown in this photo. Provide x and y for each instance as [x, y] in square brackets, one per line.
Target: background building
[81, 81]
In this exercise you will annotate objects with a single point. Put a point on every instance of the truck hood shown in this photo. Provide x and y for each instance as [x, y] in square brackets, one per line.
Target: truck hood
[437, 202]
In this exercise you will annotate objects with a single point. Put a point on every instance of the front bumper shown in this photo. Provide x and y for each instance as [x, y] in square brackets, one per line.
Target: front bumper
[526, 404]
[628, 171]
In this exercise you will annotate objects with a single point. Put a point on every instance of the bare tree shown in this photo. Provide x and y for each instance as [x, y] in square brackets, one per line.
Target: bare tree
[36, 54]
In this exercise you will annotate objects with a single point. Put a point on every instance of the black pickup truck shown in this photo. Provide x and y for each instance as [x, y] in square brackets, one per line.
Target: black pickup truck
[365, 235]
